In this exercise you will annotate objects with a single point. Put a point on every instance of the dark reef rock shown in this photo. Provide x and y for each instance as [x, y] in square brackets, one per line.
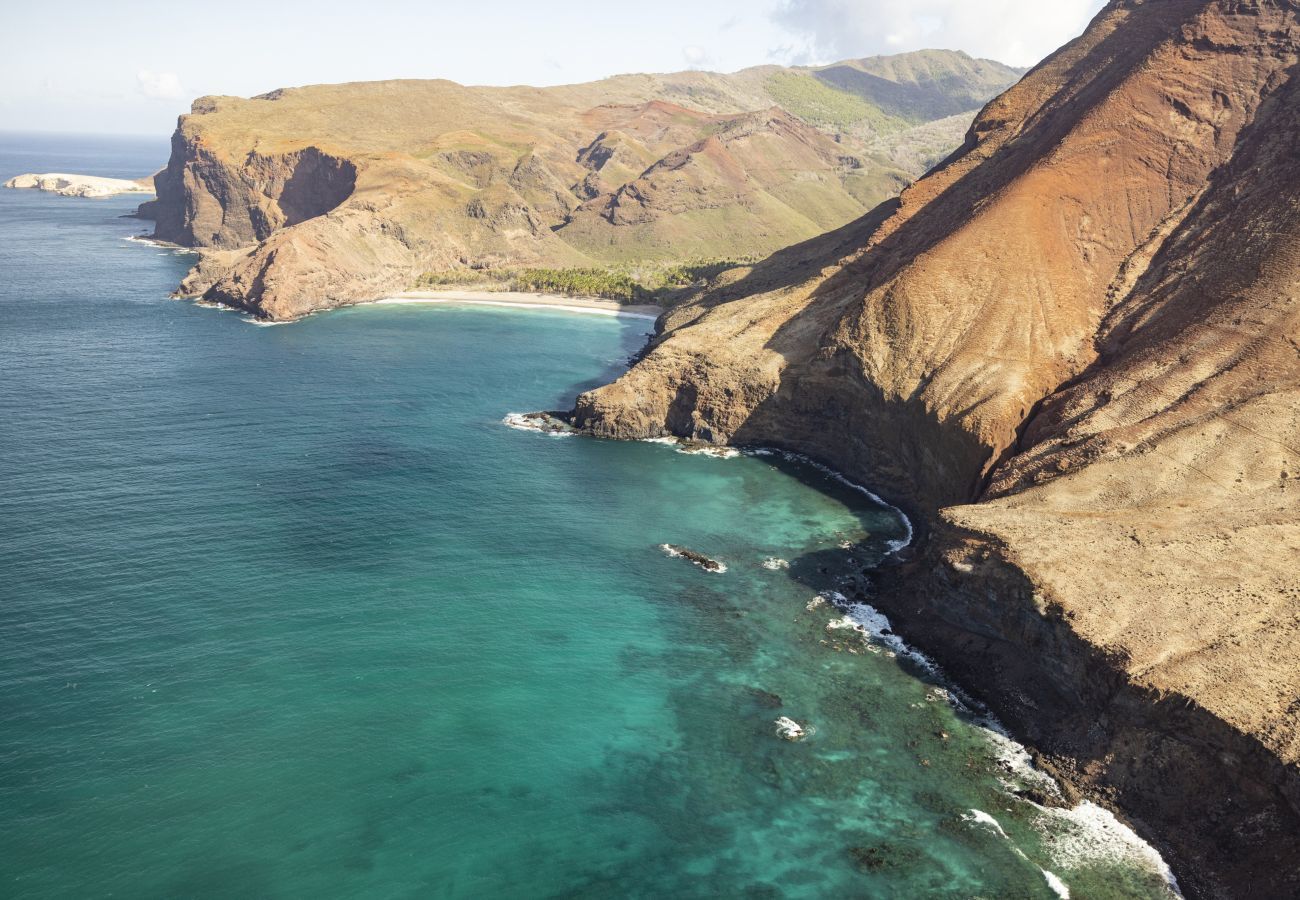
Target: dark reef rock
[699, 559]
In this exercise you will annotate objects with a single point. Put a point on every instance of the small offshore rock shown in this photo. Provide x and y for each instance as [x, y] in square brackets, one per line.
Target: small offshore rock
[706, 563]
[545, 422]
[790, 730]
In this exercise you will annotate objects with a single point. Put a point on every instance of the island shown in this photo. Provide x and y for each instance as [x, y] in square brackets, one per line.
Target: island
[81, 185]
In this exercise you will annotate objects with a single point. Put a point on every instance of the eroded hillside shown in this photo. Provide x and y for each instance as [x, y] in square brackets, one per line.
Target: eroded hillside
[1075, 351]
[314, 197]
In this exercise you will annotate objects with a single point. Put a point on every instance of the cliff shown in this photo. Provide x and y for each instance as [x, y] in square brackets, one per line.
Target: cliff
[1074, 351]
[308, 198]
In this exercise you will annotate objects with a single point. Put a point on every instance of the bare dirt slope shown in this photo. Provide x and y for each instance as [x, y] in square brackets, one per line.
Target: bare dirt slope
[1076, 351]
[313, 197]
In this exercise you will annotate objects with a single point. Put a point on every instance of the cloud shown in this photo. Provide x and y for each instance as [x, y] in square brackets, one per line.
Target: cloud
[160, 85]
[1018, 32]
[696, 56]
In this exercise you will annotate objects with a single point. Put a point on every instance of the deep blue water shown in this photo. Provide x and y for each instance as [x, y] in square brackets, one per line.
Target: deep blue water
[288, 612]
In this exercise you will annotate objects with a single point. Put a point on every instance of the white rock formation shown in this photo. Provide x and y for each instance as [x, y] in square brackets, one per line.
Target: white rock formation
[80, 185]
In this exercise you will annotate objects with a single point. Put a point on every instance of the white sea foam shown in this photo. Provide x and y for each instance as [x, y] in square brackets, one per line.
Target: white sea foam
[894, 545]
[875, 626]
[1080, 837]
[1074, 838]
[1056, 884]
[1090, 833]
[690, 449]
[1015, 760]
[791, 730]
[523, 422]
[776, 564]
[714, 452]
[147, 241]
[980, 817]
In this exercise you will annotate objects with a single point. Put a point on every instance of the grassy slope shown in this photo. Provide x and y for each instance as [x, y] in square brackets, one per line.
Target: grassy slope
[475, 177]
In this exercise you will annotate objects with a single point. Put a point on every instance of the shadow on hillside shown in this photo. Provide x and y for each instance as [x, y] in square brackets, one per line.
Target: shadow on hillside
[825, 406]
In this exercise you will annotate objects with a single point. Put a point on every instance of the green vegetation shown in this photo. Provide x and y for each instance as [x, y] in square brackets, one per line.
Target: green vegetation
[662, 284]
[822, 105]
[605, 283]
[454, 278]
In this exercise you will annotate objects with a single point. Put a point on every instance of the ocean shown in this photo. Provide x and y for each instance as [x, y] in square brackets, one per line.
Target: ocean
[290, 612]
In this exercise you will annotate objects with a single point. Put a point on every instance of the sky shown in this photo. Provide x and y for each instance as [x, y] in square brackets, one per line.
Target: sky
[132, 66]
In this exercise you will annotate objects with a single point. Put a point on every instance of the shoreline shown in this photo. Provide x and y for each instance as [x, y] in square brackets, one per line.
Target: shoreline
[1104, 822]
[1092, 811]
[524, 300]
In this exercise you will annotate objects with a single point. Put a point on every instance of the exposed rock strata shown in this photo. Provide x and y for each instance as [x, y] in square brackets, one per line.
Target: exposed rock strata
[309, 198]
[233, 203]
[1075, 351]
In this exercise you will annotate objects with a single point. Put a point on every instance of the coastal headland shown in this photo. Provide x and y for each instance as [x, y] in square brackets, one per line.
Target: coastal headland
[1072, 352]
[316, 197]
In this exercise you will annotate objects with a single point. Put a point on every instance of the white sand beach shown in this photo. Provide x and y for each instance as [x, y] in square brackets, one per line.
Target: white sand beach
[591, 305]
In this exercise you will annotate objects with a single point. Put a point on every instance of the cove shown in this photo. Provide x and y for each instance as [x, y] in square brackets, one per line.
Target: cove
[291, 612]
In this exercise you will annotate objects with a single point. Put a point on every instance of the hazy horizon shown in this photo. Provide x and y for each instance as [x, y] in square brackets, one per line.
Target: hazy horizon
[75, 67]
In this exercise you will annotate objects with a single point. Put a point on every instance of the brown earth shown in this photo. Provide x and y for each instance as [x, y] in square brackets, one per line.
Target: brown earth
[308, 198]
[1074, 353]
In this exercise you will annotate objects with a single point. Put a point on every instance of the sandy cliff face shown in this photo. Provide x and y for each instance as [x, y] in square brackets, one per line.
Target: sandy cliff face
[1076, 350]
[309, 198]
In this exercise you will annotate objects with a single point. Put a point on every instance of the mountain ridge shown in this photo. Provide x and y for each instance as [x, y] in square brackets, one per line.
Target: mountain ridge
[1073, 350]
[307, 198]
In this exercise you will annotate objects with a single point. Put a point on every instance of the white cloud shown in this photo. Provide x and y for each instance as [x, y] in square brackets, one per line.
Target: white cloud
[1019, 32]
[160, 85]
[696, 56]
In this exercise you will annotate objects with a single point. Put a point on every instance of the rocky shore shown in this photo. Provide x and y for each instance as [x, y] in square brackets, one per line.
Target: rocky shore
[1072, 354]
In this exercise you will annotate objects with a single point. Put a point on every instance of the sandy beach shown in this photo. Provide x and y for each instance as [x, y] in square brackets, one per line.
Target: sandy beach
[590, 305]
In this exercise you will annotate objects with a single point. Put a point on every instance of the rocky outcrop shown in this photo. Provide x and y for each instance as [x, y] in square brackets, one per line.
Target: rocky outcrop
[206, 198]
[1073, 350]
[309, 198]
[80, 185]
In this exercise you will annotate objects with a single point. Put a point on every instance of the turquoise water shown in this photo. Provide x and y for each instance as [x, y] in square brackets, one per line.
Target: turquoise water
[288, 612]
